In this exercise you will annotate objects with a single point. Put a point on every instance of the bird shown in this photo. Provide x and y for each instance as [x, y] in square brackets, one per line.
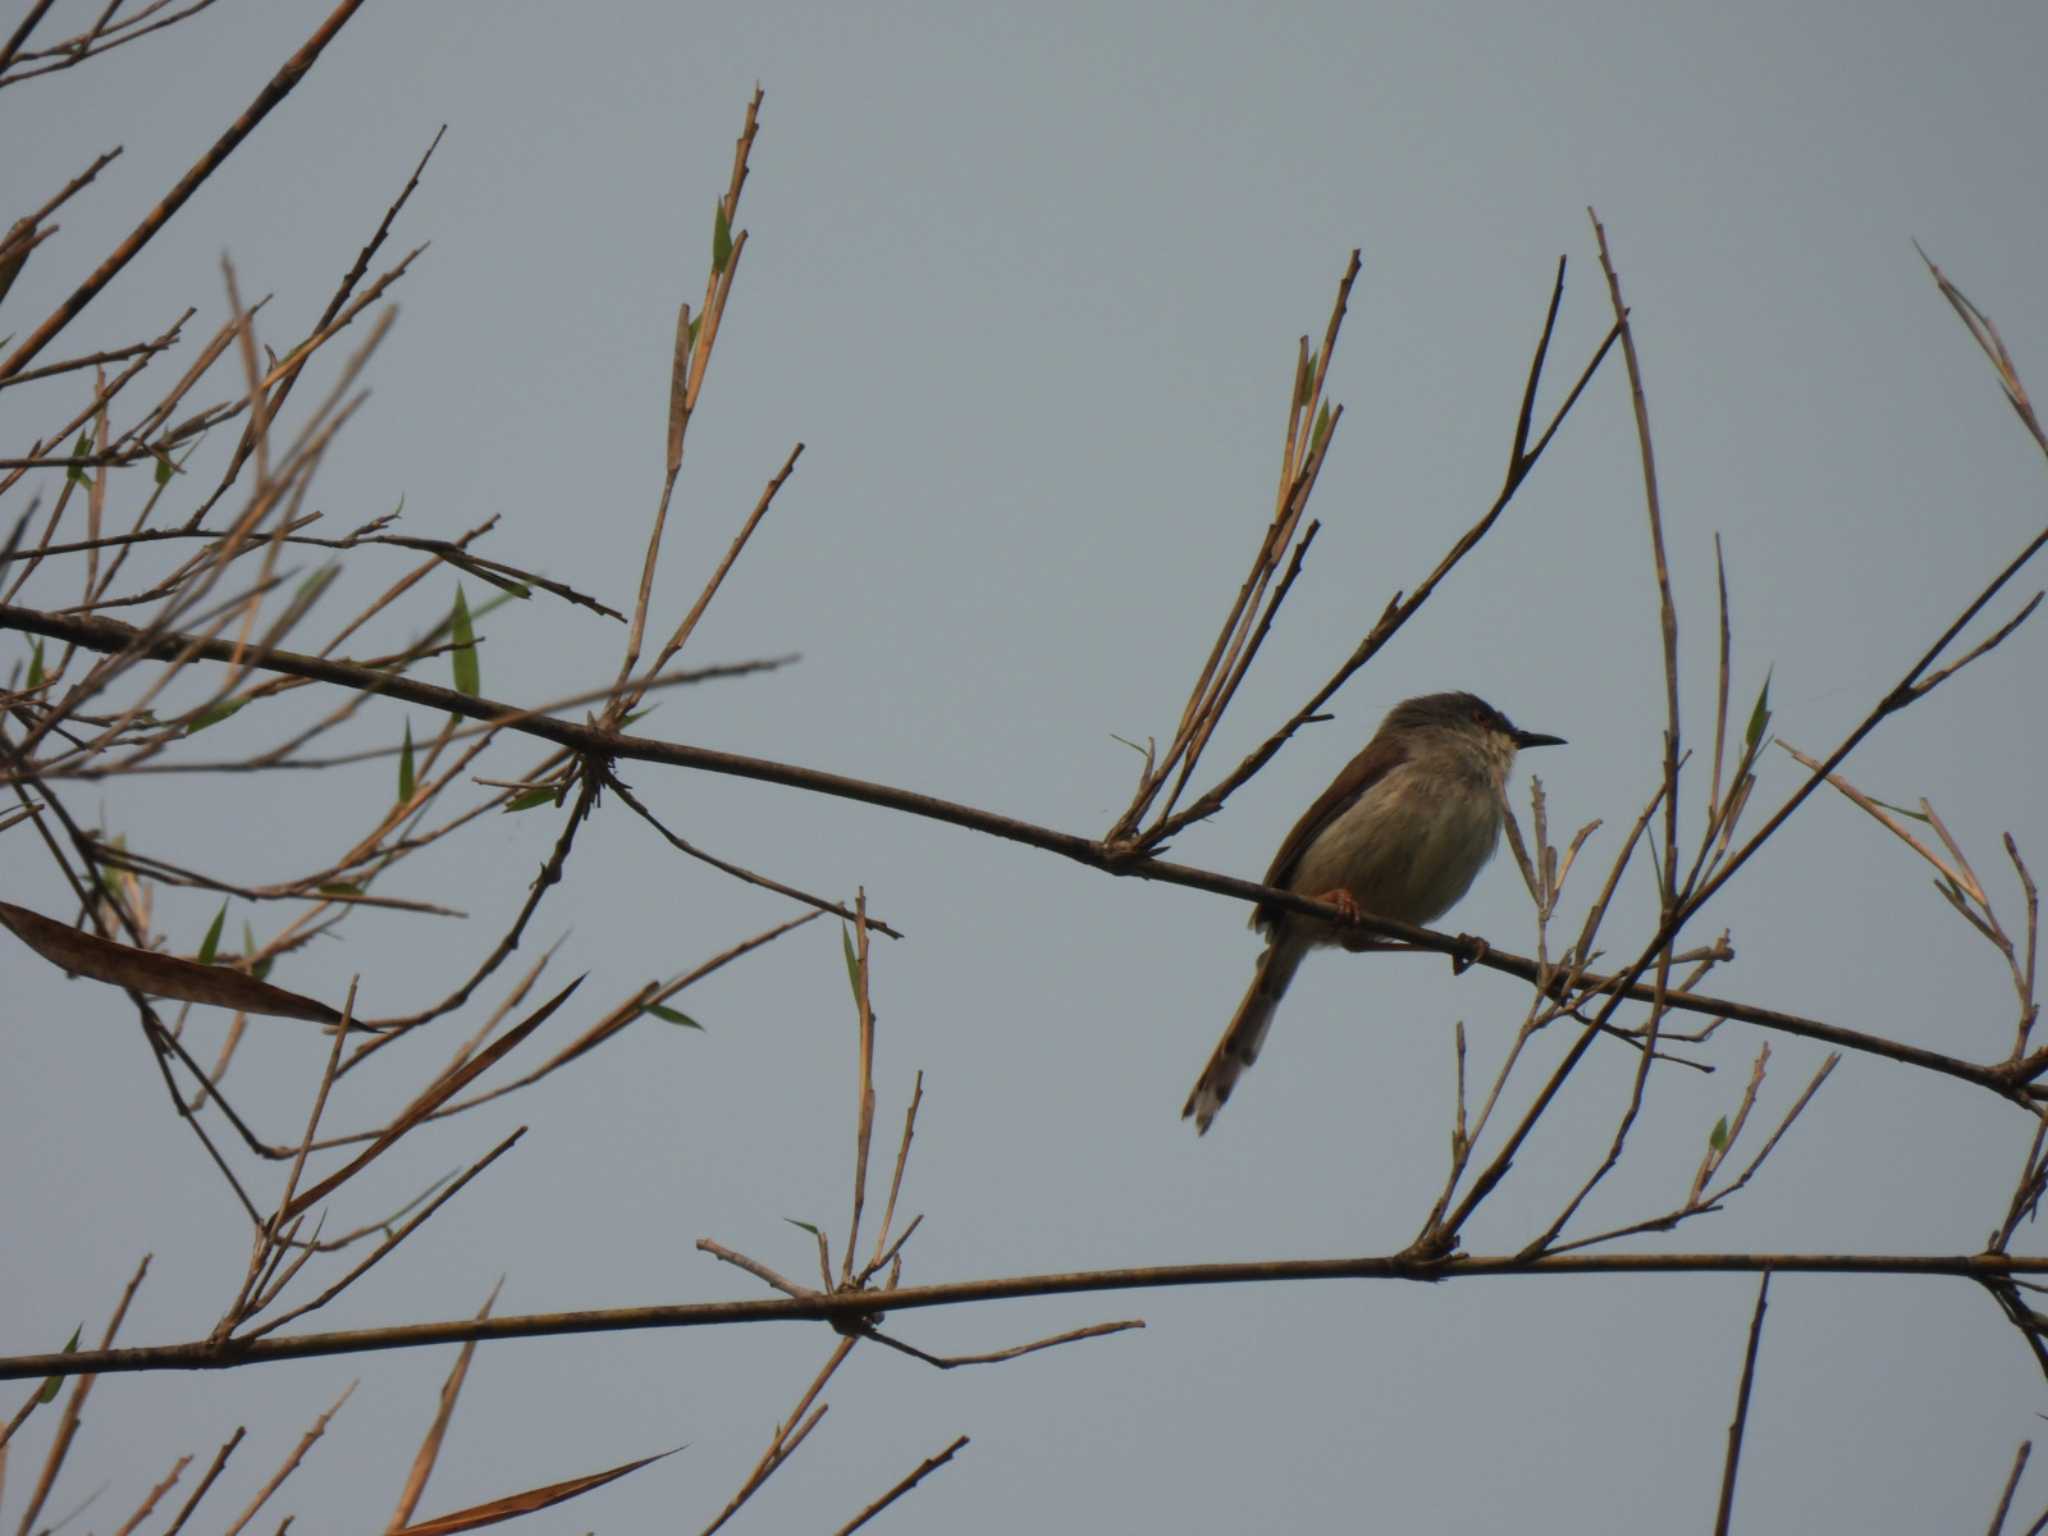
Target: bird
[1401, 833]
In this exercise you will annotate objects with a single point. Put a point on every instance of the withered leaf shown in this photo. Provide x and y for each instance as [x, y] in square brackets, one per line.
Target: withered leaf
[523, 1503]
[121, 965]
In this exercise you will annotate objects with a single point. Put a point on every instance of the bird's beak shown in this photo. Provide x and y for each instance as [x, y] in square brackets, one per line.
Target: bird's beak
[1536, 739]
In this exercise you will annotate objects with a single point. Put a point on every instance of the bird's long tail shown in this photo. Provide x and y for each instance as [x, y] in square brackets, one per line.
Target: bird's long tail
[1239, 1047]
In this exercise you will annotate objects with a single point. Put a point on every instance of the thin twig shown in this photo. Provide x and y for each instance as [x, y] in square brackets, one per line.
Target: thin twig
[929, 1465]
[2012, 1483]
[1756, 1332]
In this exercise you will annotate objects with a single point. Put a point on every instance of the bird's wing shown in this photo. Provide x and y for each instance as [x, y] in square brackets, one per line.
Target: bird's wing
[1379, 759]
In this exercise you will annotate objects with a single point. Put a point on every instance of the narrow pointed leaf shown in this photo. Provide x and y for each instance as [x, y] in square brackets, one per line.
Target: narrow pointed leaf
[1718, 1137]
[261, 968]
[672, 1017]
[852, 962]
[468, 676]
[405, 767]
[721, 245]
[213, 714]
[109, 878]
[48, 1394]
[511, 589]
[516, 1504]
[211, 944]
[1759, 718]
[120, 965]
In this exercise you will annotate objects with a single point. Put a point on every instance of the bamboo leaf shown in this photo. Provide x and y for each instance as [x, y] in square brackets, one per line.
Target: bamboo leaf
[511, 590]
[852, 962]
[210, 945]
[468, 675]
[1759, 718]
[721, 246]
[669, 1015]
[121, 965]
[406, 781]
[261, 968]
[213, 714]
[516, 1504]
[48, 1394]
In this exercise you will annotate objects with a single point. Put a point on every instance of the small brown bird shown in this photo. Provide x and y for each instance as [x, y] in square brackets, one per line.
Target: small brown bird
[1401, 833]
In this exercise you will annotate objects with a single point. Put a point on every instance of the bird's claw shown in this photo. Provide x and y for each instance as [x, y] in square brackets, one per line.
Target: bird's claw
[1344, 902]
[1470, 951]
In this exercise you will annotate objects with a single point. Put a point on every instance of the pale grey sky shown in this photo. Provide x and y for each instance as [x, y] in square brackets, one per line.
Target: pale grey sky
[1027, 284]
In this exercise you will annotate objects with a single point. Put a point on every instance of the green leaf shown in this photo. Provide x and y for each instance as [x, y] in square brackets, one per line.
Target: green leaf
[1306, 384]
[52, 1383]
[35, 663]
[693, 328]
[110, 879]
[405, 768]
[340, 888]
[261, 968]
[669, 1015]
[83, 447]
[164, 469]
[804, 1224]
[1322, 428]
[533, 797]
[852, 962]
[1718, 1137]
[213, 714]
[721, 248]
[316, 583]
[1759, 718]
[505, 595]
[210, 945]
[468, 676]
[1900, 810]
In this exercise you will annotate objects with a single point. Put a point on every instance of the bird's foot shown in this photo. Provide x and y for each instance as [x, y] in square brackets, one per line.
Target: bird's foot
[1471, 950]
[1344, 902]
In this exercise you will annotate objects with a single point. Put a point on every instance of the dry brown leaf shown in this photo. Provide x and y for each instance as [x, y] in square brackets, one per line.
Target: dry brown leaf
[523, 1503]
[120, 965]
